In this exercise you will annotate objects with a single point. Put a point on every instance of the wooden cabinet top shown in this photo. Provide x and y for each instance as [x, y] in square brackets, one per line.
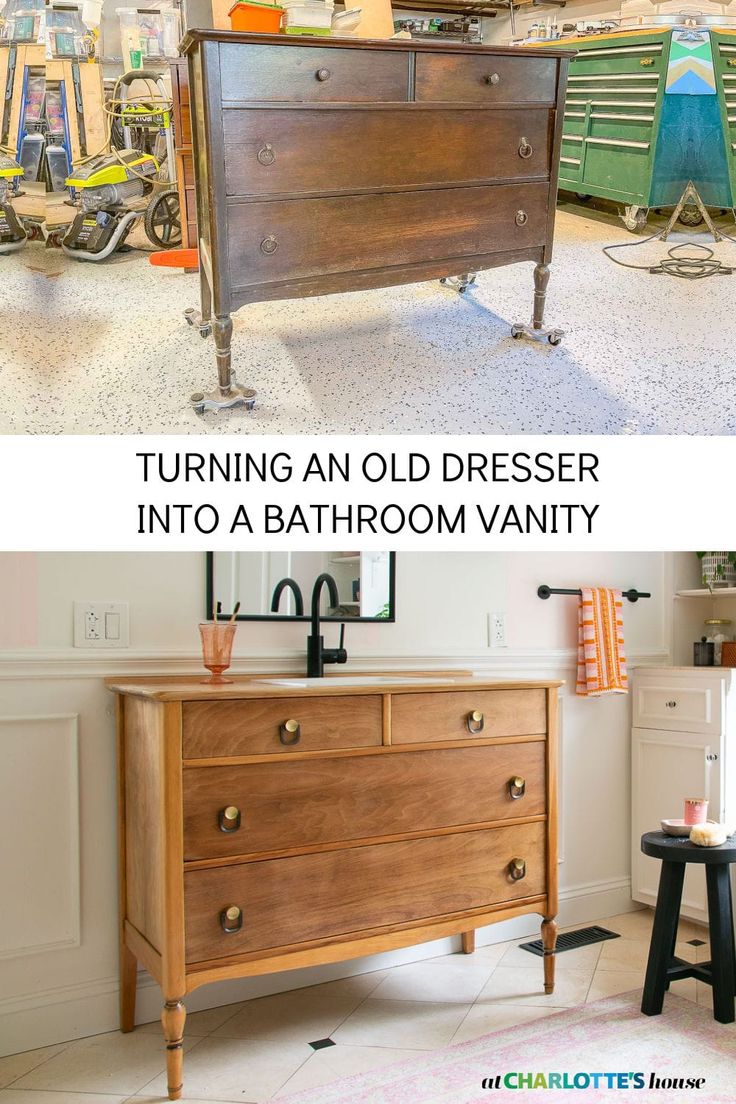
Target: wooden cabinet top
[193, 37]
[192, 687]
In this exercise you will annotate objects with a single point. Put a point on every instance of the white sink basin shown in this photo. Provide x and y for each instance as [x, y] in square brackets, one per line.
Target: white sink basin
[350, 680]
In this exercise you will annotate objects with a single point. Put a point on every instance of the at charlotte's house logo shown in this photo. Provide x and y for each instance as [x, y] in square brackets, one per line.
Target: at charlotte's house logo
[517, 1080]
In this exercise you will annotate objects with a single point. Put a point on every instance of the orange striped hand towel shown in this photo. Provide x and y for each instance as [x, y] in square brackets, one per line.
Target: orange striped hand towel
[601, 659]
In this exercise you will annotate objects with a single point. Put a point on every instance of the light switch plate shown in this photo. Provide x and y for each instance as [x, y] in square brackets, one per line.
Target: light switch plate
[101, 625]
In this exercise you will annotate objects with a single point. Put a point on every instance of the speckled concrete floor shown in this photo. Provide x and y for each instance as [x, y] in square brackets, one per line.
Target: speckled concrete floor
[104, 349]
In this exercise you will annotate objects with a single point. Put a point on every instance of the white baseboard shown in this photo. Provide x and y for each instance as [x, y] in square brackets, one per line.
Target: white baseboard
[91, 1008]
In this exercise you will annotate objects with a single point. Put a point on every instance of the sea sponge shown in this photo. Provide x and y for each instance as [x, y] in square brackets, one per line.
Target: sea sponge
[708, 835]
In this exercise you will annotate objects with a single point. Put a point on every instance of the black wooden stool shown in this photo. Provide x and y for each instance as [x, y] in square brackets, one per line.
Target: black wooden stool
[663, 966]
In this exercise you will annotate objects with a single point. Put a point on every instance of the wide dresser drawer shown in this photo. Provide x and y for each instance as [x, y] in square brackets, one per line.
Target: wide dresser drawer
[267, 725]
[279, 240]
[463, 714]
[270, 152]
[312, 73]
[485, 79]
[286, 901]
[237, 810]
[679, 705]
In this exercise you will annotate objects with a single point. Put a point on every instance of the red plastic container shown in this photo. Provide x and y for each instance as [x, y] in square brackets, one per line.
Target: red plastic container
[249, 15]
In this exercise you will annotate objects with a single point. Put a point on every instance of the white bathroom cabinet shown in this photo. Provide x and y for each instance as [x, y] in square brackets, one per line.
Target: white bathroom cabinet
[683, 745]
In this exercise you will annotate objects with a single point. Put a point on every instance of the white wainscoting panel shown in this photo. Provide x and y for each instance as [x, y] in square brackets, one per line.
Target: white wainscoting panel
[39, 829]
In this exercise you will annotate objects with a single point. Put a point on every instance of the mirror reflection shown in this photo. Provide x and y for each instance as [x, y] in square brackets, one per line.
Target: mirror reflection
[278, 585]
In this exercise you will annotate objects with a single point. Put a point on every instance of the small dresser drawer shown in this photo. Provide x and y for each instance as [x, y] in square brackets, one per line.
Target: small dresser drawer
[387, 148]
[491, 80]
[679, 705]
[261, 726]
[464, 714]
[237, 810]
[281, 902]
[280, 240]
[312, 73]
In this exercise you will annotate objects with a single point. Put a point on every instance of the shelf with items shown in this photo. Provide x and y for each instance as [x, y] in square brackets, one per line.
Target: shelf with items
[705, 592]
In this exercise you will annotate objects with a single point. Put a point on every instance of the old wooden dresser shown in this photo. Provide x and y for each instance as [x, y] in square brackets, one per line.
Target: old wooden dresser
[363, 164]
[379, 817]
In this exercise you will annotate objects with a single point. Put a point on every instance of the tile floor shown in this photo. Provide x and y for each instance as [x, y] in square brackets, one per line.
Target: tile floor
[103, 348]
[261, 1050]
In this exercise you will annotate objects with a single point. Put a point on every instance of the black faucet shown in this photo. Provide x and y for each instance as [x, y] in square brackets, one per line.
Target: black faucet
[293, 586]
[317, 654]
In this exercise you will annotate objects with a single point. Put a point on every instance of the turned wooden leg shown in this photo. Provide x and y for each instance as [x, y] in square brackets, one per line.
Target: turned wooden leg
[549, 941]
[468, 942]
[172, 1018]
[128, 982]
[222, 329]
[541, 279]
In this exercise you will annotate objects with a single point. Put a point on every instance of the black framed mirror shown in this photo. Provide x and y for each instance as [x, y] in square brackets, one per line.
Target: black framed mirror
[366, 585]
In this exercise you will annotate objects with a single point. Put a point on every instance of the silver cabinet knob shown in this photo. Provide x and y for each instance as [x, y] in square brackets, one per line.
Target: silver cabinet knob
[323, 74]
[492, 78]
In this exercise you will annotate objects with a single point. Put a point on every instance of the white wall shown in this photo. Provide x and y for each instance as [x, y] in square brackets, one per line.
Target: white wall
[59, 981]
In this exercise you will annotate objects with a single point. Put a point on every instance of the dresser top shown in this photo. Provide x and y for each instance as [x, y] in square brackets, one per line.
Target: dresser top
[197, 35]
[193, 688]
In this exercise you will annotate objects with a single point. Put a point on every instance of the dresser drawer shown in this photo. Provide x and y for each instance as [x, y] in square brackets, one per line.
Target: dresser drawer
[278, 240]
[312, 73]
[336, 893]
[678, 705]
[480, 79]
[421, 718]
[211, 729]
[309, 803]
[387, 148]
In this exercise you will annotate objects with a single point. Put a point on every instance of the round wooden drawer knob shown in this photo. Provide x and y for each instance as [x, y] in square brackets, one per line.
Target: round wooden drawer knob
[323, 74]
[475, 721]
[231, 919]
[517, 787]
[517, 869]
[229, 818]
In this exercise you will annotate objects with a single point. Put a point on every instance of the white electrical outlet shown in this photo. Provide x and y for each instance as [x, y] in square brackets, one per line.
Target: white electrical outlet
[496, 630]
[101, 625]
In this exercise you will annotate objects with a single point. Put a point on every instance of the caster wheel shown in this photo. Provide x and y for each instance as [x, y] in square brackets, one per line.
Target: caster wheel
[250, 404]
[189, 316]
[443, 280]
[516, 333]
[690, 215]
[462, 288]
[554, 339]
[582, 197]
[205, 331]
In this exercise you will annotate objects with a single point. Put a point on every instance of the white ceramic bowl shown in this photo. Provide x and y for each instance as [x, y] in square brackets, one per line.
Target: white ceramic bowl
[678, 827]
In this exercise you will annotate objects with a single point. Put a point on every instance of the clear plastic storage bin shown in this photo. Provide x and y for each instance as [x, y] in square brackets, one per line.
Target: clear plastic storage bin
[156, 32]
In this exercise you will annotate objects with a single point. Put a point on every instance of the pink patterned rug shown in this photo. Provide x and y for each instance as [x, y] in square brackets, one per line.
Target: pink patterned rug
[605, 1042]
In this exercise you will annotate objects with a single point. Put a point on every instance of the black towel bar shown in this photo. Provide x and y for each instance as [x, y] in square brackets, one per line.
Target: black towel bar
[632, 594]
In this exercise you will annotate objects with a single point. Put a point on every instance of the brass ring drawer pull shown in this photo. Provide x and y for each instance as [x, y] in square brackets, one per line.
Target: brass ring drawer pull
[517, 869]
[269, 245]
[290, 732]
[323, 74]
[522, 218]
[265, 155]
[229, 818]
[492, 78]
[475, 721]
[231, 919]
[517, 787]
[525, 148]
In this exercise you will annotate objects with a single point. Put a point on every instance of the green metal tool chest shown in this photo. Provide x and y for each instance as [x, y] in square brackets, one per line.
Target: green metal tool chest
[647, 111]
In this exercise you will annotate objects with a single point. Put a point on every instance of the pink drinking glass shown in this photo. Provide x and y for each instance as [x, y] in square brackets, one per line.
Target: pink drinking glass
[696, 810]
[217, 647]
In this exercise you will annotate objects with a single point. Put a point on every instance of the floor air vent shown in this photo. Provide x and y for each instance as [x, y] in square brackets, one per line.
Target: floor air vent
[570, 941]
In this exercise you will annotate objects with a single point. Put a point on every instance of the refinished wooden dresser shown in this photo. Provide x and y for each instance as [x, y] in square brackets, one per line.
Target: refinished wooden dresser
[352, 164]
[264, 828]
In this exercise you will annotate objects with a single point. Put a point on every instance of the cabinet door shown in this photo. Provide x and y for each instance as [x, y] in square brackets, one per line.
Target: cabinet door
[667, 767]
